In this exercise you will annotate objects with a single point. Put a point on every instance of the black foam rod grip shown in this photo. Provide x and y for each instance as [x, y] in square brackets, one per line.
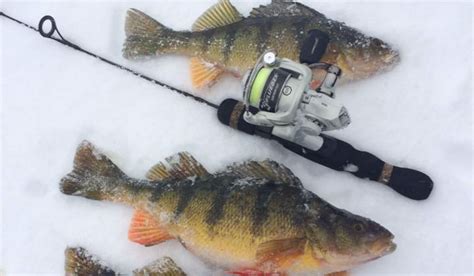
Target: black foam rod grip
[341, 156]
[337, 155]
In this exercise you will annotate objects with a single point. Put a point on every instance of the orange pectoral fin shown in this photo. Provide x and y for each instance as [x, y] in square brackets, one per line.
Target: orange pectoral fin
[145, 230]
[280, 254]
[204, 74]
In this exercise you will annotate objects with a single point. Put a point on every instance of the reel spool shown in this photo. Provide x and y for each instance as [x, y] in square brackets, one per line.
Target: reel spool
[277, 94]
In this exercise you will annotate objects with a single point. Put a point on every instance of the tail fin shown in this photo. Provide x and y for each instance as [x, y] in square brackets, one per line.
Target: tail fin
[94, 176]
[161, 267]
[79, 262]
[142, 35]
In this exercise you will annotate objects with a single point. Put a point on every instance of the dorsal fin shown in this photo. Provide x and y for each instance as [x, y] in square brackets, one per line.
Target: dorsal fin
[265, 169]
[179, 166]
[80, 262]
[162, 267]
[283, 8]
[221, 14]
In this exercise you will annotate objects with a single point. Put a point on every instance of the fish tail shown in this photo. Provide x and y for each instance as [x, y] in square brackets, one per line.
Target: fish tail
[145, 36]
[78, 261]
[94, 176]
[164, 266]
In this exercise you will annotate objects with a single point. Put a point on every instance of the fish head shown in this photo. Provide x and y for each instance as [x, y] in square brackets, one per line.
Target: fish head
[365, 57]
[343, 240]
[359, 56]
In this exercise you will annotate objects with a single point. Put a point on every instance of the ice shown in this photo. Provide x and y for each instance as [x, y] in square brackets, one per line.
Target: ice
[418, 115]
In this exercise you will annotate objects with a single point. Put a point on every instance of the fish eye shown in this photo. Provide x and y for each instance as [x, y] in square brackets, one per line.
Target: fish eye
[358, 227]
[377, 42]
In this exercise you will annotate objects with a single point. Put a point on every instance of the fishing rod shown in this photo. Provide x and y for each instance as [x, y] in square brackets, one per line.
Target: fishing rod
[275, 90]
[54, 29]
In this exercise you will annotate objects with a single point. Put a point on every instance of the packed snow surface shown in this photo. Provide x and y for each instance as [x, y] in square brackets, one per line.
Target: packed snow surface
[418, 115]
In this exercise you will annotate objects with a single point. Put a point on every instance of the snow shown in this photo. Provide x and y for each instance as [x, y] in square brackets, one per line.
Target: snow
[418, 115]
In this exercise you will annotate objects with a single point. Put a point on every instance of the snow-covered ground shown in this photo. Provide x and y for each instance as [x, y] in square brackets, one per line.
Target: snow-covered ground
[418, 115]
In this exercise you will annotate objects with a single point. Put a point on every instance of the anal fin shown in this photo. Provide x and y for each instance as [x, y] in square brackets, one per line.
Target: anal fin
[145, 230]
[204, 74]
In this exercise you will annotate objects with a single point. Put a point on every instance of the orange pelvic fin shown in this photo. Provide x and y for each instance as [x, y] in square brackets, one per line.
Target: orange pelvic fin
[340, 273]
[145, 230]
[204, 74]
[254, 272]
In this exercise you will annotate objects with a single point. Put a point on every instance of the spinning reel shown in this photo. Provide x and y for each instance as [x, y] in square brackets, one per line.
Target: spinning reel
[281, 104]
[277, 94]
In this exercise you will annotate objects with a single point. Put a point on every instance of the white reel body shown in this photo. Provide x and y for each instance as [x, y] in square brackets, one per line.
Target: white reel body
[277, 94]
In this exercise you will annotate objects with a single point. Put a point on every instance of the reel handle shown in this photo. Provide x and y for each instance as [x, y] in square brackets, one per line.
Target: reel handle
[338, 155]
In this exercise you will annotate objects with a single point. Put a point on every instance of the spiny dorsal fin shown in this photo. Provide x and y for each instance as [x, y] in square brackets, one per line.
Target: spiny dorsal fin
[265, 169]
[204, 74]
[283, 8]
[180, 166]
[221, 14]
[162, 267]
[80, 262]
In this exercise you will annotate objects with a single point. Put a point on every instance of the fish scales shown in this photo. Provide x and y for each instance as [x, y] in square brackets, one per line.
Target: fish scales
[79, 262]
[225, 41]
[253, 215]
[240, 44]
[261, 219]
[216, 200]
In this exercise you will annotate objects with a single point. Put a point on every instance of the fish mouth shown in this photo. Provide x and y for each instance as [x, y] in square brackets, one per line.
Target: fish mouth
[391, 59]
[356, 67]
[383, 247]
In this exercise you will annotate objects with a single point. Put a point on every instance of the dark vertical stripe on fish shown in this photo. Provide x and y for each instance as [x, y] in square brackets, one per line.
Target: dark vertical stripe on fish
[229, 42]
[186, 192]
[300, 32]
[264, 193]
[157, 190]
[217, 210]
[208, 37]
[264, 34]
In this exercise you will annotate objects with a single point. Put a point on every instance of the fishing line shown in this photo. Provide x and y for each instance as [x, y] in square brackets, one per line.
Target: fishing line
[54, 29]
